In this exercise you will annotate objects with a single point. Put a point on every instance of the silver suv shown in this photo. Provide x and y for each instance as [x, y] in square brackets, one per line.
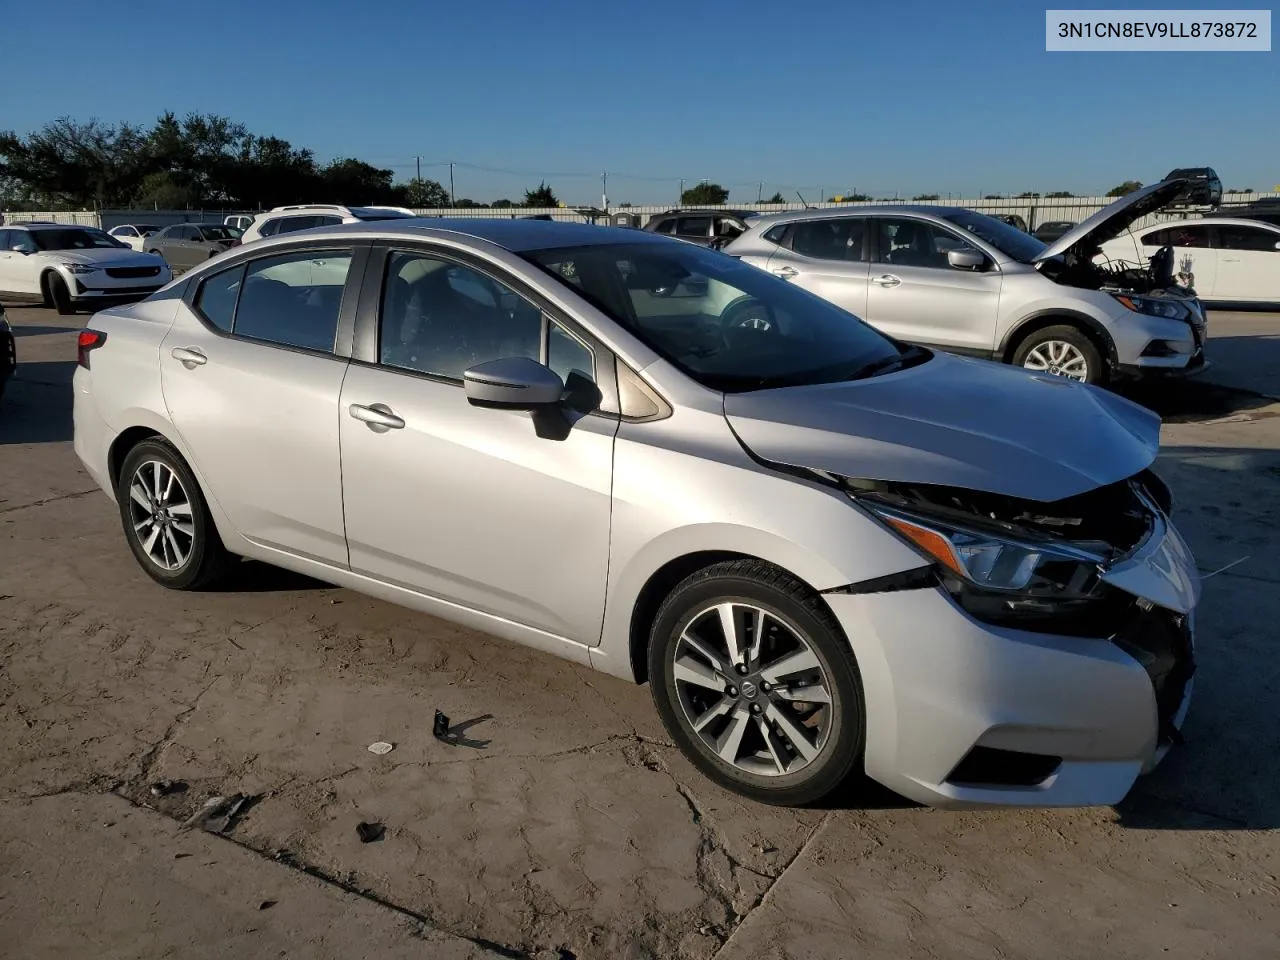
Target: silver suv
[966, 283]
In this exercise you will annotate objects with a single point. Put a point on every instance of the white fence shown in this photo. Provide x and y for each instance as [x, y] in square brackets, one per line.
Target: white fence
[1033, 210]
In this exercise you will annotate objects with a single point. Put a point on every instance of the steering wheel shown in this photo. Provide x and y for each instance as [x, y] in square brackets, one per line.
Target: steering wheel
[750, 314]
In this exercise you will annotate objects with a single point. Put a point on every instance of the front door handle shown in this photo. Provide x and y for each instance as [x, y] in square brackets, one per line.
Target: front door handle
[189, 357]
[377, 416]
[1230, 259]
[786, 273]
[887, 280]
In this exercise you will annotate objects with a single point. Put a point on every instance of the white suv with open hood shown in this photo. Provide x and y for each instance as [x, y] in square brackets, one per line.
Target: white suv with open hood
[970, 284]
[73, 267]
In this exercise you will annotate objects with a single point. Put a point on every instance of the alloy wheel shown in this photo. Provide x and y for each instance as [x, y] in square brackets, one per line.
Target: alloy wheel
[753, 690]
[160, 512]
[1059, 358]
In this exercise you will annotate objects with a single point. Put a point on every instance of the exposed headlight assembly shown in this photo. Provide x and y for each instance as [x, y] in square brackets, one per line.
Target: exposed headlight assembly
[1154, 306]
[1030, 584]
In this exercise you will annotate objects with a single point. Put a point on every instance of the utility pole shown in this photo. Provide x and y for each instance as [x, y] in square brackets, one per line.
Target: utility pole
[604, 193]
[418, 160]
[452, 199]
[680, 200]
[759, 192]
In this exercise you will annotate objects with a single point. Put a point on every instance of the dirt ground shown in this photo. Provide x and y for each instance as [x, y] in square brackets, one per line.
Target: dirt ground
[566, 825]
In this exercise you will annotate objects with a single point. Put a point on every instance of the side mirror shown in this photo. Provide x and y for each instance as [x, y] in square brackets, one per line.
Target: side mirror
[19, 248]
[966, 258]
[512, 383]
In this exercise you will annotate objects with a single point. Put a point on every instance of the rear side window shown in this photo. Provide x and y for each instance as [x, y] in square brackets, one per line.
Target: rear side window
[665, 226]
[1189, 236]
[693, 226]
[270, 228]
[216, 298]
[291, 300]
[290, 224]
[838, 239]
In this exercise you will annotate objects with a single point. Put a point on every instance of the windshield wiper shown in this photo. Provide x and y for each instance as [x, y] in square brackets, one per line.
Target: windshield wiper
[887, 364]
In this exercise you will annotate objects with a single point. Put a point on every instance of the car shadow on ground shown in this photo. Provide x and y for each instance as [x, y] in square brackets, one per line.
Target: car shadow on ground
[36, 330]
[1195, 401]
[251, 576]
[36, 407]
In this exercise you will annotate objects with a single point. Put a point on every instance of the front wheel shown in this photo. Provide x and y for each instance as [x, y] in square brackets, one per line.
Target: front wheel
[756, 683]
[60, 296]
[1062, 351]
[166, 521]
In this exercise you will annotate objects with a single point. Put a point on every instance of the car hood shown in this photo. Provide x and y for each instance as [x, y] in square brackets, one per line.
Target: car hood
[1114, 219]
[106, 257]
[953, 422]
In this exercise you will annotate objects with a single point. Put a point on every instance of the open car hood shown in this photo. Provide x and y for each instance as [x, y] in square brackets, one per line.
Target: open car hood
[954, 422]
[1114, 219]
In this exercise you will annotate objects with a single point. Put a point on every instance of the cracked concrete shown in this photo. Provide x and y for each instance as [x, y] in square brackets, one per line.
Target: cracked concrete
[577, 827]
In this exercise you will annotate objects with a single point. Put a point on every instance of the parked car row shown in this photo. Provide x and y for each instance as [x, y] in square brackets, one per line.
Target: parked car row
[825, 549]
[960, 281]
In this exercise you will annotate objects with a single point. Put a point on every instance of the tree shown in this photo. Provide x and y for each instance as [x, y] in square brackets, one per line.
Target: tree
[1059, 194]
[705, 194]
[925, 196]
[776, 198]
[852, 198]
[504, 202]
[466, 203]
[992, 196]
[540, 196]
[353, 181]
[75, 163]
[420, 192]
[1125, 188]
[1027, 195]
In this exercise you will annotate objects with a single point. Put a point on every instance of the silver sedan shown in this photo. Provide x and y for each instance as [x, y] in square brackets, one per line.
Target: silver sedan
[824, 550]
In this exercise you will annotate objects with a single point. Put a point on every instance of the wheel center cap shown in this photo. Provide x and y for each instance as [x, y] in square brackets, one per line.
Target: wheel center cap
[748, 689]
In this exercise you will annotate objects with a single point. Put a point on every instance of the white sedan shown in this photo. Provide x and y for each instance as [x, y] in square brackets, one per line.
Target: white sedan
[133, 234]
[1226, 259]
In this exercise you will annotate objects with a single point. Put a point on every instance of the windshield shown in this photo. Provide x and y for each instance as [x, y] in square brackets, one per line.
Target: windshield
[730, 326]
[218, 232]
[386, 215]
[1005, 238]
[73, 238]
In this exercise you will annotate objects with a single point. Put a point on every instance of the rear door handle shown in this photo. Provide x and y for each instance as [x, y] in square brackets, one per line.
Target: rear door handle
[377, 416]
[1230, 259]
[190, 357]
[887, 280]
[786, 273]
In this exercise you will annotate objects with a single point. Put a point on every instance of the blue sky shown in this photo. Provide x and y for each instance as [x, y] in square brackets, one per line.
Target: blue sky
[901, 97]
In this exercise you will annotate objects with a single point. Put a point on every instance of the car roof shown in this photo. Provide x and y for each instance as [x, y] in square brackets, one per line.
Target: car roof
[514, 235]
[48, 225]
[823, 213]
[1208, 221]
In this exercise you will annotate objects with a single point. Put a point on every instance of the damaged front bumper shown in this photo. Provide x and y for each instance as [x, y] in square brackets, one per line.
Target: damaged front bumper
[965, 713]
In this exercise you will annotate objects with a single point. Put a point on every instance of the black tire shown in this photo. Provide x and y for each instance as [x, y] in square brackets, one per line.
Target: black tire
[207, 560]
[1096, 368]
[60, 296]
[800, 610]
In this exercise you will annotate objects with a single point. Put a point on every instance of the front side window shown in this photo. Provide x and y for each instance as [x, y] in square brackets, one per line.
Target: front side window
[291, 300]
[836, 239]
[441, 318]
[665, 226]
[1188, 236]
[1009, 240]
[217, 232]
[726, 324]
[916, 243]
[1246, 238]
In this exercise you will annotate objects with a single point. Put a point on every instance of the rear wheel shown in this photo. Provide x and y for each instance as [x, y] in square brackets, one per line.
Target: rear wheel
[1063, 351]
[756, 683]
[166, 520]
[60, 296]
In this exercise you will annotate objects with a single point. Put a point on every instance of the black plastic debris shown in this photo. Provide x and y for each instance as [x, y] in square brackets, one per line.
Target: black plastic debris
[370, 832]
[218, 813]
[266, 904]
[165, 788]
[441, 726]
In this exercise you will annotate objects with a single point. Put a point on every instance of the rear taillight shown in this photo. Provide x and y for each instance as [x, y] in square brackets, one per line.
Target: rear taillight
[86, 343]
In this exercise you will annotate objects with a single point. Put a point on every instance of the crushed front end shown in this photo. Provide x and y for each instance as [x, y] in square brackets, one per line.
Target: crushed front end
[1042, 655]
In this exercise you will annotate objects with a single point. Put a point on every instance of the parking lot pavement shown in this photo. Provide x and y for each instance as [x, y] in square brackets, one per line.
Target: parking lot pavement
[570, 824]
